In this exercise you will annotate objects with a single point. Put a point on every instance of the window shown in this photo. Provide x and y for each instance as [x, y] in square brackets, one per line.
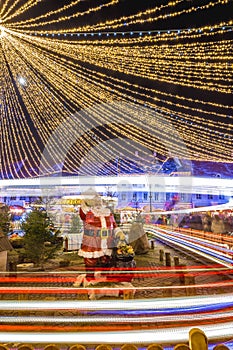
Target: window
[221, 196]
[145, 196]
[123, 196]
[156, 196]
[198, 196]
[135, 196]
[182, 196]
[167, 196]
[210, 196]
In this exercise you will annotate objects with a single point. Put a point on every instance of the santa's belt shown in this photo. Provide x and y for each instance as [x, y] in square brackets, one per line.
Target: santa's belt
[103, 232]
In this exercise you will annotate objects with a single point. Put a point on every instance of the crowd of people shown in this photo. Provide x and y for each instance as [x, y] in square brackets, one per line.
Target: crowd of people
[207, 222]
[216, 222]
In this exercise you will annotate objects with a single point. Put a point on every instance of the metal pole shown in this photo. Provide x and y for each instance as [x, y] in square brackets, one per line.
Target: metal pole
[150, 198]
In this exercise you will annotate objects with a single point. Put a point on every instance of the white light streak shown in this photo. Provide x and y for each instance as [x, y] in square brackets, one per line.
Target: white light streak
[161, 336]
[139, 304]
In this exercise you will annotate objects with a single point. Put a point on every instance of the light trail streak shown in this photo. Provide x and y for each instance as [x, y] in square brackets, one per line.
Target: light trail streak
[140, 304]
[161, 336]
[196, 248]
[179, 317]
[67, 291]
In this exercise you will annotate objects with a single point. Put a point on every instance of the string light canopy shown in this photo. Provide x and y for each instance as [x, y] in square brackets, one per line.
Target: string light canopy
[87, 86]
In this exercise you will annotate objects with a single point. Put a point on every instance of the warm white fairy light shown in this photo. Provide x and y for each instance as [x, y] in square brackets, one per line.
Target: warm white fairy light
[199, 58]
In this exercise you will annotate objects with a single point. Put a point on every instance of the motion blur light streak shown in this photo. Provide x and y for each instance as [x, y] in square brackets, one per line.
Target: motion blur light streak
[99, 290]
[194, 315]
[162, 336]
[173, 237]
[152, 304]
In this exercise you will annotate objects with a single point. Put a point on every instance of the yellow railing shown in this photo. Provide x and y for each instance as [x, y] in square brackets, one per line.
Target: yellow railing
[197, 341]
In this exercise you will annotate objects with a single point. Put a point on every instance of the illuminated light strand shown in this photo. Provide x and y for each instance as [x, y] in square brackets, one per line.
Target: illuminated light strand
[170, 95]
[29, 109]
[22, 9]
[7, 136]
[133, 68]
[191, 33]
[4, 7]
[161, 74]
[19, 127]
[42, 124]
[211, 85]
[161, 69]
[46, 15]
[174, 34]
[110, 24]
[10, 9]
[67, 48]
[124, 18]
[95, 73]
[66, 18]
[18, 114]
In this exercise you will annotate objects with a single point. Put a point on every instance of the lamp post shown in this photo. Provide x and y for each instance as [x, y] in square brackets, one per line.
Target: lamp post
[150, 198]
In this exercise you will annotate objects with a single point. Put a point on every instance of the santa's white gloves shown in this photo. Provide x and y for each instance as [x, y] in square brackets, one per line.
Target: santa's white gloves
[119, 234]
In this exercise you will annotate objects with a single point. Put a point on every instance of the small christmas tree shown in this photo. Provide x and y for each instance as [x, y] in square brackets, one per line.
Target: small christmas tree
[41, 239]
[4, 219]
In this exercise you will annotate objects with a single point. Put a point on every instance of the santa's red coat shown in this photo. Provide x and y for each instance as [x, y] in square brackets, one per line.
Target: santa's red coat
[94, 233]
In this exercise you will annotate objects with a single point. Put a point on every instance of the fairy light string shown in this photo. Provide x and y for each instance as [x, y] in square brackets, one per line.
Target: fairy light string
[65, 18]
[34, 3]
[59, 73]
[122, 19]
[111, 24]
[44, 44]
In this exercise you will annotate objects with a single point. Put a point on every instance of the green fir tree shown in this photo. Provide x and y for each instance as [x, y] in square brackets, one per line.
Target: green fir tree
[4, 219]
[41, 240]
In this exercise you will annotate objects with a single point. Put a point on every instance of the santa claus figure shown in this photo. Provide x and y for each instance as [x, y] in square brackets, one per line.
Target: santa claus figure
[100, 232]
